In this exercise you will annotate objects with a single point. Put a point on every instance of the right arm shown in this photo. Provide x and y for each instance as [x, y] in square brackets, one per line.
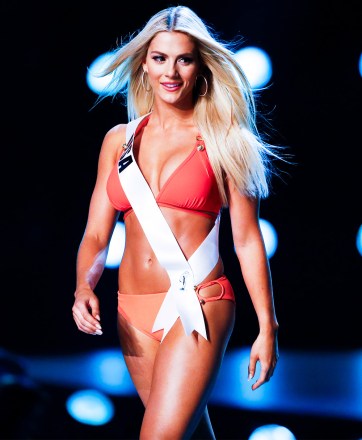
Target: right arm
[93, 249]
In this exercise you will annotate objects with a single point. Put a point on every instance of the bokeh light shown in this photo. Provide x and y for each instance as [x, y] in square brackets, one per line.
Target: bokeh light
[272, 432]
[95, 83]
[116, 246]
[90, 407]
[256, 64]
[270, 237]
[359, 240]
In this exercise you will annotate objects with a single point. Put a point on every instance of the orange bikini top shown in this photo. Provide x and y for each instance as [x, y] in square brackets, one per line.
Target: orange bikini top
[191, 187]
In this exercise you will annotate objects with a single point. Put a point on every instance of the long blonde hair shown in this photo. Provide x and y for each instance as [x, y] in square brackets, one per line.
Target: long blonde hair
[225, 116]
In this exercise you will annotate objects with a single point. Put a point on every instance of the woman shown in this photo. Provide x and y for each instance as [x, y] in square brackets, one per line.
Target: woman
[191, 147]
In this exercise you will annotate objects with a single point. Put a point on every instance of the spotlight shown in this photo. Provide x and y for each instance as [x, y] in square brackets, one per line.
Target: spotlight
[116, 246]
[256, 64]
[95, 83]
[359, 240]
[272, 432]
[270, 237]
[90, 407]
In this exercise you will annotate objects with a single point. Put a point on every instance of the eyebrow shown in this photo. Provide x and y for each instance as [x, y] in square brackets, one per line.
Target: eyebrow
[188, 54]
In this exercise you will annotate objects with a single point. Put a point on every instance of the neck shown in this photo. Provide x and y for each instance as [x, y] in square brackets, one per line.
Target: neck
[168, 117]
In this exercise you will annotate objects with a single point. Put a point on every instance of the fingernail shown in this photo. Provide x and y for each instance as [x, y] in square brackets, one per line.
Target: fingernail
[98, 326]
[98, 317]
[250, 376]
[99, 332]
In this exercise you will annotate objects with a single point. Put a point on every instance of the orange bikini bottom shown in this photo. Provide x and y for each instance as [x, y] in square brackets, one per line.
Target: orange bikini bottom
[140, 310]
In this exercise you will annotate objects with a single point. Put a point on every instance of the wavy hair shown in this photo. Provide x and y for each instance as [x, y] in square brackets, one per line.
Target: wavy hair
[225, 116]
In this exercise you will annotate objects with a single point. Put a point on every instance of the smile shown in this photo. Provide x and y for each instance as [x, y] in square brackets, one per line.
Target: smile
[171, 87]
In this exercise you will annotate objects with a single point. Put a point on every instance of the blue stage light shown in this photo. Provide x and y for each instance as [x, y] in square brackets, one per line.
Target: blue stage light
[359, 240]
[95, 83]
[304, 382]
[116, 246]
[270, 237]
[256, 64]
[104, 370]
[272, 432]
[90, 407]
[360, 64]
[109, 373]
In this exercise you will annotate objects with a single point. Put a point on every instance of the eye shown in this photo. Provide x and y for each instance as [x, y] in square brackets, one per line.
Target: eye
[158, 58]
[186, 60]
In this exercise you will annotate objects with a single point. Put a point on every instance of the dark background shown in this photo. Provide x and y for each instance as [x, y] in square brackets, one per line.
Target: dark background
[51, 141]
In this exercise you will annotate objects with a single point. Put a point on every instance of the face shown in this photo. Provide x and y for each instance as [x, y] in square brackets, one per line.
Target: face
[172, 66]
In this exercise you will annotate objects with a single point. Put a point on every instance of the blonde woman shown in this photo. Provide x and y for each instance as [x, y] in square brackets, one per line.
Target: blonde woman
[190, 148]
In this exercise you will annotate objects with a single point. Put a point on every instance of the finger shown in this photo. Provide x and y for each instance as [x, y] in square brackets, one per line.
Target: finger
[252, 367]
[86, 323]
[83, 313]
[94, 305]
[263, 378]
[271, 372]
[83, 325]
[83, 328]
[87, 329]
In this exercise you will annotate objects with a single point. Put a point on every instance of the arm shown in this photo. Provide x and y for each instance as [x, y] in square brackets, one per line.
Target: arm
[93, 249]
[254, 264]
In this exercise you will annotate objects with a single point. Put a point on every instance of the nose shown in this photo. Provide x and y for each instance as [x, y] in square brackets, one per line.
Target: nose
[171, 69]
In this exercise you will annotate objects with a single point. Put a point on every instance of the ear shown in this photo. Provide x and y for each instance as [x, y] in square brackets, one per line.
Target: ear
[144, 66]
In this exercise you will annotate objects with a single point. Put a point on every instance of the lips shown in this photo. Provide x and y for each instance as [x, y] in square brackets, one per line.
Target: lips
[171, 87]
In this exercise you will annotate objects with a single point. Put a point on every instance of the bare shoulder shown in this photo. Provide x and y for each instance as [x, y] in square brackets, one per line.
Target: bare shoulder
[114, 139]
[117, 130]
[116, 135]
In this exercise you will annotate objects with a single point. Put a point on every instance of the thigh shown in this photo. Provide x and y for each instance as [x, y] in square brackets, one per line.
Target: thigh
[185, 370]
[139, 352]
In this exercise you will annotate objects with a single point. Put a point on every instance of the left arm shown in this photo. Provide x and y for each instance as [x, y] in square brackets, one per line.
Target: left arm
[254, 264]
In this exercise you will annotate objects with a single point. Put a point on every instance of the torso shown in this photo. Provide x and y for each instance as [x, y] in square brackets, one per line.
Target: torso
[159, 160]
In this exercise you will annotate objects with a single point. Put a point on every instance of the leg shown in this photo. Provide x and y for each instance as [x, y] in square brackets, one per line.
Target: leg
[139, 352]
[184, 372]
[204, 428]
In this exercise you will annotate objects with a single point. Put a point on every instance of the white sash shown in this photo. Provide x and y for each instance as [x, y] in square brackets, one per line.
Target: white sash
[181, 299]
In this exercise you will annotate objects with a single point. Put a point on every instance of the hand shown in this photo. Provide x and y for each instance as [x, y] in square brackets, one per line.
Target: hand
[86, 312]
[265, 351]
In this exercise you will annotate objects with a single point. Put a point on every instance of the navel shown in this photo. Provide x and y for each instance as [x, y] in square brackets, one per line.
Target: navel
[148, 262]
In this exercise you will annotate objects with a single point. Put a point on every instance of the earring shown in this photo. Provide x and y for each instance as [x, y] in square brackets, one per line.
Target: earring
[143, 82]
[206, 84]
